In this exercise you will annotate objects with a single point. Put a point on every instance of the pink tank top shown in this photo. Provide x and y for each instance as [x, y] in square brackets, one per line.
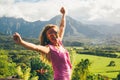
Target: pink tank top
[60, 63]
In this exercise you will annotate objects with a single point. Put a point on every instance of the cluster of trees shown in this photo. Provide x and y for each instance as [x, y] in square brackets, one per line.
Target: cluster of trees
[24, 64]
[81, 70]
[7, 67]
[105, 52]
[18, 62]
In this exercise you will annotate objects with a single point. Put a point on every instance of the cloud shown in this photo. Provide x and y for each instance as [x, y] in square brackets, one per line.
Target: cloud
[105, 11]
[87, 11]
[27, 0]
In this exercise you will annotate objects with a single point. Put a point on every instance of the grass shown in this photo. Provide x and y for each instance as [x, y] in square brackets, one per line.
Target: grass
[99, 65]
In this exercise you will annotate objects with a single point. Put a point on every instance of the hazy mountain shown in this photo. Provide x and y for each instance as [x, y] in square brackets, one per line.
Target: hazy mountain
[26, 29]
[107, 29]
[9, 25]
[75, 30]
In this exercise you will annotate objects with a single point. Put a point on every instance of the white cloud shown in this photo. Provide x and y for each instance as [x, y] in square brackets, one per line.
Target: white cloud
[105, 11]
[92, 11]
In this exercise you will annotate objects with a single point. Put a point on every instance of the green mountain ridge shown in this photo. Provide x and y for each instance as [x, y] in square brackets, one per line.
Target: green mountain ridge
[9, 25]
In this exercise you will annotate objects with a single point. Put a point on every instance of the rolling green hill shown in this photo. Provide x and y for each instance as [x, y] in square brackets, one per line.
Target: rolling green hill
[99, 65]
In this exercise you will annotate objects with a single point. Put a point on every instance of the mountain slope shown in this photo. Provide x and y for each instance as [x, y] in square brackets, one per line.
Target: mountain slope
[33, 29]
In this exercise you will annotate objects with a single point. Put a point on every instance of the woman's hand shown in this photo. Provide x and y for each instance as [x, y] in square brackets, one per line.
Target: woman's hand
[62, 10]
[17, 38]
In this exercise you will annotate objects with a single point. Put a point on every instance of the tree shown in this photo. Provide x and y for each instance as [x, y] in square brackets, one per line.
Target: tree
[7, 67]
[43, 70]
[25, 74]
[118, 76]
[112, 63]
[81, 70]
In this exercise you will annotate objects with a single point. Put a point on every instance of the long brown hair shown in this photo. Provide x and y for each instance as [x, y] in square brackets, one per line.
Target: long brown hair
[45, 41]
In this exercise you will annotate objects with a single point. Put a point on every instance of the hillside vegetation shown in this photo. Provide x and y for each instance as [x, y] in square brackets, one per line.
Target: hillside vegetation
[102, 61]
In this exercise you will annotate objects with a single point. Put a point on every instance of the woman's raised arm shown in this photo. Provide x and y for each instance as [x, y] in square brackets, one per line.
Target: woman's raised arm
[62, 23]
[39, 48]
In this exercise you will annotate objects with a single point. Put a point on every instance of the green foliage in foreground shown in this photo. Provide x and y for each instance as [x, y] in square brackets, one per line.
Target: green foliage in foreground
[99, 65]
[44, 71]
[25, 75]
[81, 70]
[29, 63]
[7, 67]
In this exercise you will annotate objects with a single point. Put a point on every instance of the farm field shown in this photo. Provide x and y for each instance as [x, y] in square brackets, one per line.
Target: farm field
[99, 65]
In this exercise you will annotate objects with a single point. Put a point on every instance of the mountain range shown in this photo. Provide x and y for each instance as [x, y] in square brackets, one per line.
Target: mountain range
[74, 29]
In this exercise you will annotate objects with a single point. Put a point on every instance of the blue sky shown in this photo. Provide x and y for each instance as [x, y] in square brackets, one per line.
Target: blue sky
[86, 11]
